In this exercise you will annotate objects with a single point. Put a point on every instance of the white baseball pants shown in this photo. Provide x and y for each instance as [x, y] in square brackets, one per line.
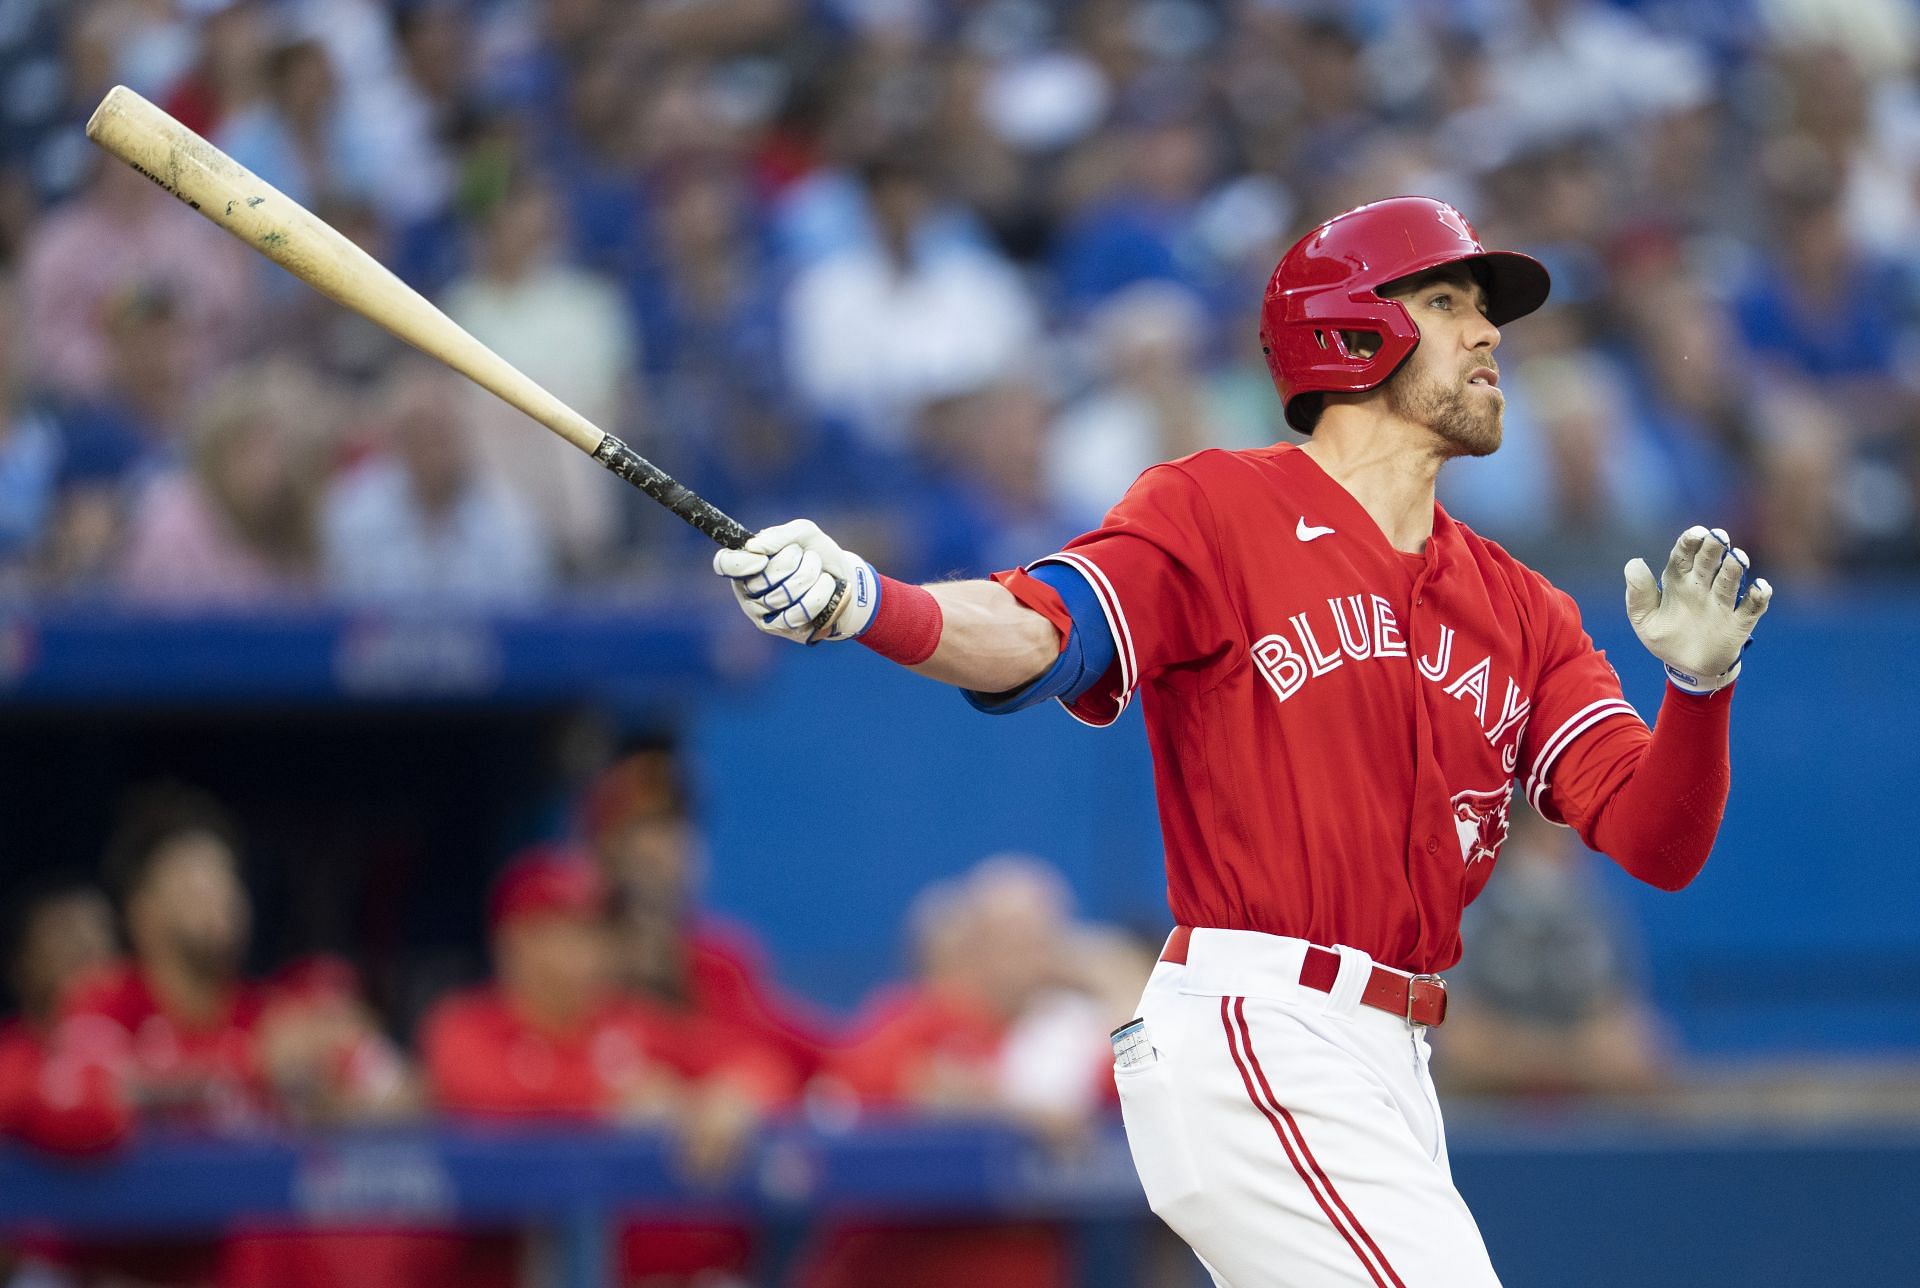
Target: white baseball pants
[1292, 1137]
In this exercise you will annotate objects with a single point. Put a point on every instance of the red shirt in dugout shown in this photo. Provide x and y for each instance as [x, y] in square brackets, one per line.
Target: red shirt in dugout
[483, 1058]
[1336, 725]
[205, 1074]
[57, 1101]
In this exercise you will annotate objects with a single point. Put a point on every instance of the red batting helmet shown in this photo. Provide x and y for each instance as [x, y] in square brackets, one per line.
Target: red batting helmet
[1328, 283]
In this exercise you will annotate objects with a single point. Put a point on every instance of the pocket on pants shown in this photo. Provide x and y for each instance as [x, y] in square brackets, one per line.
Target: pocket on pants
[1158, 1139]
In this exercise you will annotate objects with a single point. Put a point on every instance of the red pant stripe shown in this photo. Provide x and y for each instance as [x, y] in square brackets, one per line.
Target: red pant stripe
[1246, 1037]
[1314, 1179]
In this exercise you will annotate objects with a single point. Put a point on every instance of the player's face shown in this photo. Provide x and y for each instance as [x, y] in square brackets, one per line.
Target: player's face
[1450, 384]
[557, 963]
[194, 905]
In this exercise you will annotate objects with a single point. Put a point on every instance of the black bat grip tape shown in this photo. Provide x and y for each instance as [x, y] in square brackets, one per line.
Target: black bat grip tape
[706, 517]
[703, 514]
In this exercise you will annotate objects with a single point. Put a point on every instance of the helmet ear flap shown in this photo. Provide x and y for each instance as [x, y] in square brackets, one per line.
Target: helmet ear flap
[1349, 346]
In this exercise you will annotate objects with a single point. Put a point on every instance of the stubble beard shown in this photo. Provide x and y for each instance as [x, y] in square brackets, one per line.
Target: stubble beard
[211, 961]
[1463, 428]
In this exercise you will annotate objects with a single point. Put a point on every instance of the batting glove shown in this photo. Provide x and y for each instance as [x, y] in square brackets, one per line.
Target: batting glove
[1694, 618]
[786, 577]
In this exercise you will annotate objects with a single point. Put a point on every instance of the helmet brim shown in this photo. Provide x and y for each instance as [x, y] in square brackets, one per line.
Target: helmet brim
[1516, 284]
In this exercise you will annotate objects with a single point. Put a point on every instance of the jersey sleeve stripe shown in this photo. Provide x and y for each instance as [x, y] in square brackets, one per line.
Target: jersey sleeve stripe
[1118, 707]
[1575, 725]
[1115, 615]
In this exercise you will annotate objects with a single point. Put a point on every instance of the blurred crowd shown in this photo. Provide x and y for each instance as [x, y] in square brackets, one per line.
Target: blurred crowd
[613, 998]
[942, 274]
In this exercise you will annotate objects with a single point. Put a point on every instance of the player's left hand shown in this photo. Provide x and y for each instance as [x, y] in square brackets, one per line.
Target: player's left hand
[1694, 618]
[788, 576]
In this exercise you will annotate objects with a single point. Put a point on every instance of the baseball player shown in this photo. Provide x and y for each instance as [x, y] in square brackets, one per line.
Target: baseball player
[1341, 685]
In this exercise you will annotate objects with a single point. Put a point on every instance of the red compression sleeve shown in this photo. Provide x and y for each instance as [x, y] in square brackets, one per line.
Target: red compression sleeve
[1660, 822]
[906, 626]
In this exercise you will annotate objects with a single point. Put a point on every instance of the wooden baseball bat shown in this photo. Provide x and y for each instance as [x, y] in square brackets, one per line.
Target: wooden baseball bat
[286, 232]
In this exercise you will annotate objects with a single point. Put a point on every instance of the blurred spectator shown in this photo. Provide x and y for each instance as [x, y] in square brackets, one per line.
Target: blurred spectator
[228, 75]
[1826, 331]
[991, 978]
[1821, 311]
[1241, 400]
[423, 111]
[189, 1041]
[597, 154]
[1841, 79]
[985, 502]
[419, 522]
[294, 134]
[30, 120]
[553, 1037]
[393, 66]
[111, 443]
[993, 1027]
[236, 523]
[138, 415]
[122, 237]
[566, 329]
[1144, 229]
[707, 291]
[877, 330]
[1545, 1001]
[1687, 383]
[1565, 67]
[999, 121]
[60, 933]
[709, 304]
[29, 456]
[669, 952]
[194, 1040]
[1151, 403]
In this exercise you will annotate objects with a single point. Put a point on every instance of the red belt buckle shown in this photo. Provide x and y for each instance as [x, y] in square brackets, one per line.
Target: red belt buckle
[1437, 988]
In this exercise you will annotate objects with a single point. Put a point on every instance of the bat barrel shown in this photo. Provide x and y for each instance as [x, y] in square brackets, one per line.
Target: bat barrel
[250, 208]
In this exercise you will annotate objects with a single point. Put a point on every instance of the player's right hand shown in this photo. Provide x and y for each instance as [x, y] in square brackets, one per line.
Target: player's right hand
[786, 576]
[1694, 618]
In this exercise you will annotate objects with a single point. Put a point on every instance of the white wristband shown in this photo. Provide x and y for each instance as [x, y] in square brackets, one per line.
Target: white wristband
[1701, 686]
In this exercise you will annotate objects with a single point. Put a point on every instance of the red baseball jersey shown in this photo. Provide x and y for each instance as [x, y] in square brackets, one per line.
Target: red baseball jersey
[1336, 725]
[55, 1100]
[196, 1074]
[483, 1058]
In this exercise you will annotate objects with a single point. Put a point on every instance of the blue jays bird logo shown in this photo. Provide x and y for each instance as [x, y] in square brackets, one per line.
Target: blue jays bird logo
[1480, 818]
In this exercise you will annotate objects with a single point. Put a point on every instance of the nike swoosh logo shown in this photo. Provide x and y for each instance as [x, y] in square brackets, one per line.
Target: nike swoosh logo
[1307, 532]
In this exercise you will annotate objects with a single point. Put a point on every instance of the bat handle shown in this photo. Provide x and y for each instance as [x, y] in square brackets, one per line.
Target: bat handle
[703, 514]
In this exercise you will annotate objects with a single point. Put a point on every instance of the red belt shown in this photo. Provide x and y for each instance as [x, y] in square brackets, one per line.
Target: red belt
[1417, 999]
